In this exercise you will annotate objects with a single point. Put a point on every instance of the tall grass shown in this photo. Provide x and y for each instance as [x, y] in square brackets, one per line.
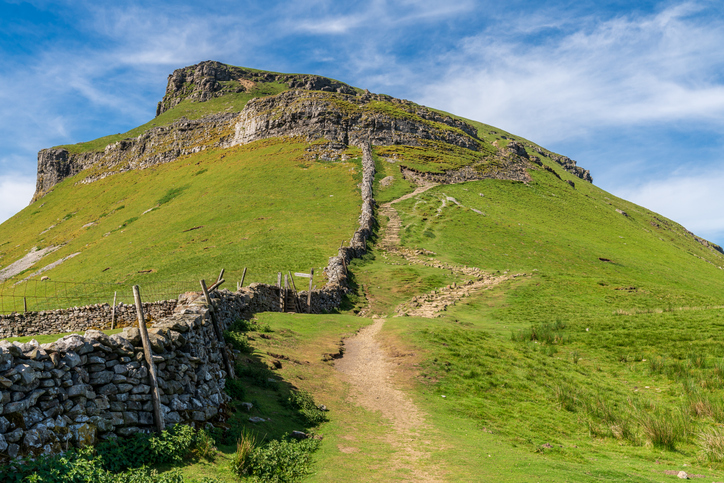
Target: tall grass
[245, 445]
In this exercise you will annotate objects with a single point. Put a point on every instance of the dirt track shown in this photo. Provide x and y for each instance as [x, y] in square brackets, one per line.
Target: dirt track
[371, 374]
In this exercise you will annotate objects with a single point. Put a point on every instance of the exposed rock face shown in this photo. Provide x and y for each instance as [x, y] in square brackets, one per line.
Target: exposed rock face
[349, 120]
[567, 163]
[210, 79]
[156, 146]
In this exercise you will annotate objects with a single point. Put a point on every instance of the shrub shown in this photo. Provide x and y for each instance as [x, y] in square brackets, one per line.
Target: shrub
[282, 461]
[550, 333]
[664, 430]
[303, 401]
[235, 389]
[565, 396]
[238, 341]
[204, 446]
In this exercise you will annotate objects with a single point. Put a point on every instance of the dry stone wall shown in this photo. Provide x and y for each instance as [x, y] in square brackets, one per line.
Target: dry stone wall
[78, 319]
[85, 388]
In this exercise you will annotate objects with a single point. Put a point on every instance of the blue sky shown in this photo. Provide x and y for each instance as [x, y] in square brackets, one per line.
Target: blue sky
[633, 91]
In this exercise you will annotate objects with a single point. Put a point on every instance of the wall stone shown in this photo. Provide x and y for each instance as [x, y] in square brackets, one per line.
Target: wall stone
[78, 319]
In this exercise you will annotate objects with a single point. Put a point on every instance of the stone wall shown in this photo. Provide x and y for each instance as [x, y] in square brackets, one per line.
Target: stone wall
[81, 389]
[78, 319]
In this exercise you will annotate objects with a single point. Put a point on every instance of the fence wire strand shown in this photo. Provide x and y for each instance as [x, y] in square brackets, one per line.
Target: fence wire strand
[35, 295]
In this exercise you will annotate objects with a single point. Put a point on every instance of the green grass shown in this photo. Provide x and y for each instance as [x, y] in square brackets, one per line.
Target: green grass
[263, 206]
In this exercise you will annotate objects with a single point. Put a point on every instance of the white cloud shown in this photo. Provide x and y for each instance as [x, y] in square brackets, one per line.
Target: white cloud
[693, 201]
[16, 192]
[620, 72]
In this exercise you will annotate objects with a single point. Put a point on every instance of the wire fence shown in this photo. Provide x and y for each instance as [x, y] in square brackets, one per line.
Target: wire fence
[37, 295]
[34, 295]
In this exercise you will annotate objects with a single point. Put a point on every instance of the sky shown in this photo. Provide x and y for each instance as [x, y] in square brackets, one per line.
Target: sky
[633, 91]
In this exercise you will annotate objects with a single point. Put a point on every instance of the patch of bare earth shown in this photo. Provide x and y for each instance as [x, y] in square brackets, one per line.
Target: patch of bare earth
[371, 373]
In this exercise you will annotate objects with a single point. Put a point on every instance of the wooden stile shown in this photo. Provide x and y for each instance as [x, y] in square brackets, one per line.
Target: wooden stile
[217, 329]
[157, 414]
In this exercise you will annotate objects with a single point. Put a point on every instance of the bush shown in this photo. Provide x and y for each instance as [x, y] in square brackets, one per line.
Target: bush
[304, 403]
[238, 341]
[282, 461]
[235, 389]
[204, 445]
[711, 444]
[550, 333]
[664, 430]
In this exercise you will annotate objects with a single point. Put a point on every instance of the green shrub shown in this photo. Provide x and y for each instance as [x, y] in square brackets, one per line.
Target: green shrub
[664, 430]
[711, 445]
[304, 403]
[282, 461]
[245, 445]
[238, 341]
[205, 445]
[550, 333]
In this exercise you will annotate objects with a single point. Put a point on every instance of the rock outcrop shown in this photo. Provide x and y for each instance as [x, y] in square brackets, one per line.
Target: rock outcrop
[204, 81]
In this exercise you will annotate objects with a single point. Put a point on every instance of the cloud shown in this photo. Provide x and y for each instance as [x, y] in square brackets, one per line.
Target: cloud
[693, 201]
[627, 70]
[16, 190]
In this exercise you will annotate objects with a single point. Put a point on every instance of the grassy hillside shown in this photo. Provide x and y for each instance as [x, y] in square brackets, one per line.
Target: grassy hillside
[603, 359]
[264, 206]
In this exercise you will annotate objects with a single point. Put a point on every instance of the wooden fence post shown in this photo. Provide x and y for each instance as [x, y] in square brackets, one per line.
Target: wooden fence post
[113, 311]
[217, 330]
[157, 414]
[281, 292]
[309, 294]
[25, 305]
[243, 276]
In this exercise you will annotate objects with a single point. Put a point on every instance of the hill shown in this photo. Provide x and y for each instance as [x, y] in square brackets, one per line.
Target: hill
[534, 324]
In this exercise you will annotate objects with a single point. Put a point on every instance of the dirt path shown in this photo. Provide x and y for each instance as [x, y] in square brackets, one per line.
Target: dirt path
[391, 239]
[433, 303]
[371, 374]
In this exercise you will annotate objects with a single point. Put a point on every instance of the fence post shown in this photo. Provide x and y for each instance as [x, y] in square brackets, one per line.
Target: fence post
[243, 275]
[157, 414]
[113, 312]
[25, 305]
[281, 292]
[217, 329]
[309, 294]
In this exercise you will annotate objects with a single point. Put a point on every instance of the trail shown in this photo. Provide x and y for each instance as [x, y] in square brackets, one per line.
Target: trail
[433, 303]
[370, 373]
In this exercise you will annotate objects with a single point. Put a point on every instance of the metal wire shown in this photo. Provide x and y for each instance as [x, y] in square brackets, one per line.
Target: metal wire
[37, 295]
